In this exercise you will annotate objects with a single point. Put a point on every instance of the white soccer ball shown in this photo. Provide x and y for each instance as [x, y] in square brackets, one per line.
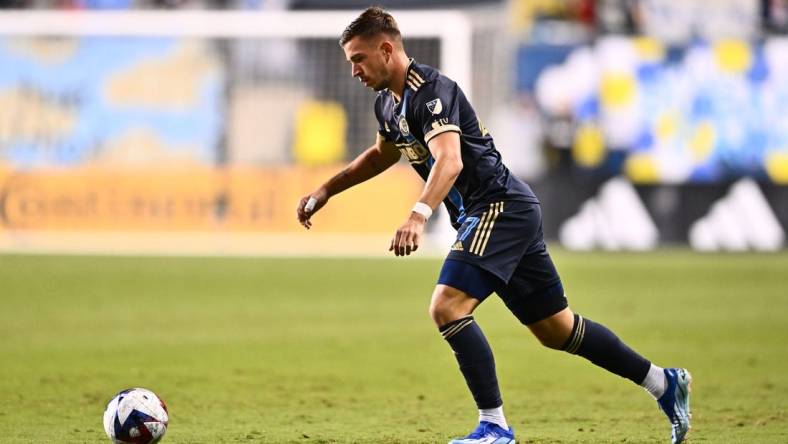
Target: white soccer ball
[136, 416]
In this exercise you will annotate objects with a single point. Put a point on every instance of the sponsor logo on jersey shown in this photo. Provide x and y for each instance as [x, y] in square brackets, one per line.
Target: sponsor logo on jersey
[435, 106]
[403, 126]
[414, 151]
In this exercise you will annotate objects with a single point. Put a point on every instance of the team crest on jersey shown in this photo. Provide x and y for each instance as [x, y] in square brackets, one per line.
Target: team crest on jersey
[403, 126]
[435, 106]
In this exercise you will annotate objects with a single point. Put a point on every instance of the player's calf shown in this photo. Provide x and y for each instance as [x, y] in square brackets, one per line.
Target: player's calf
[574, 334]
[475, 359]
[461, 287]
[553, 331]
[601, 346]
[595, 342]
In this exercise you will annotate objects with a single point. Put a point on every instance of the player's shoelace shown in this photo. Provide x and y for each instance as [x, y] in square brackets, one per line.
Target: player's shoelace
[480, 431]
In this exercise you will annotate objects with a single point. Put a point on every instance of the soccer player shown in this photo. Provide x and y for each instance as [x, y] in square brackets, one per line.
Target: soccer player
[499, 247]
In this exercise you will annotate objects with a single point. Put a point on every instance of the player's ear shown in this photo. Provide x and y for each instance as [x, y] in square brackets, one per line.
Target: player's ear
[387, 48]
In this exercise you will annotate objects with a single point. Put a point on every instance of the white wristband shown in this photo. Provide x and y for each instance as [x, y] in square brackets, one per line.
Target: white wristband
[310, 204]
[422, 209]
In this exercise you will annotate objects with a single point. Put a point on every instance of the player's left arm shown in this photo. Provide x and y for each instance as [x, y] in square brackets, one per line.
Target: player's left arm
[445, 149]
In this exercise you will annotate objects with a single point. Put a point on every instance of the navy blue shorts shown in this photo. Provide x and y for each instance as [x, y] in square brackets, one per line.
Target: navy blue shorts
[501, 248]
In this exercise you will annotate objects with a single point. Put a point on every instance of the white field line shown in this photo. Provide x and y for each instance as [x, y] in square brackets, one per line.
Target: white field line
[206, 244]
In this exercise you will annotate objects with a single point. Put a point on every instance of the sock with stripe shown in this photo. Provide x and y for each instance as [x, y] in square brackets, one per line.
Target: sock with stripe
[602, 347]
[476, 361]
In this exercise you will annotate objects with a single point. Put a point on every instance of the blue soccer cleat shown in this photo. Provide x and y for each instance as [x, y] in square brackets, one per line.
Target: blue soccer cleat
[675, 402]
[487, 433]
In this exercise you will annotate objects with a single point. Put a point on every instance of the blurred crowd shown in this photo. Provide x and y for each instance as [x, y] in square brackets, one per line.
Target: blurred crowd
[587, 16]
[236, 4]
[668, 20]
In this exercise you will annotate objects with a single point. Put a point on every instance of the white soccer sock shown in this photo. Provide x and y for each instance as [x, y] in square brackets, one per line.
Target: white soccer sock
[494, 416]
[655, 382]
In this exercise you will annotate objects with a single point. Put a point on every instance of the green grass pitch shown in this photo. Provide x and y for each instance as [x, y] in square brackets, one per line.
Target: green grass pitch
[343, 351]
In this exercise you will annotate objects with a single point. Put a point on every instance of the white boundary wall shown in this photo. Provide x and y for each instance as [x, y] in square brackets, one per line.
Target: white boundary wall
[453, 28]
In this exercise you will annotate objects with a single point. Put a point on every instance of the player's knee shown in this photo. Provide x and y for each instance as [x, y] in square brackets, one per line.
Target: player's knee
[441, 311]
[449, 304]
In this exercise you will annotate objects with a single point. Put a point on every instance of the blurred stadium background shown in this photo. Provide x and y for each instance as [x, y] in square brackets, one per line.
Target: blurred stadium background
[193, 126]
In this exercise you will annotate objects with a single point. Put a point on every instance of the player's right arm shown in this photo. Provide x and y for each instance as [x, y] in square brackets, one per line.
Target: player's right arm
[373, 161]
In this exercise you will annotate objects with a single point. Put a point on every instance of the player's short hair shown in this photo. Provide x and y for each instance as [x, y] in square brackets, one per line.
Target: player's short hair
[373, 21]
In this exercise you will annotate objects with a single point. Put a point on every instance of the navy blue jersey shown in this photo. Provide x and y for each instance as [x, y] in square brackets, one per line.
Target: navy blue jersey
[433, 104]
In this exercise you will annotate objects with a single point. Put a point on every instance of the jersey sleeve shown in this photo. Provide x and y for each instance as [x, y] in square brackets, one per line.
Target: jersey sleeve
[437, 108]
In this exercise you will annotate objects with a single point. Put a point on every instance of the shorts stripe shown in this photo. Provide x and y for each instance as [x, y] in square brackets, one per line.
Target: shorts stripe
[499, 210]
[479, 228]
[485, 228]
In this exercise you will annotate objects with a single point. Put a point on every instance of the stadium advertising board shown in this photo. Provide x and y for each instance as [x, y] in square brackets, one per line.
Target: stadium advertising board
[242, 199]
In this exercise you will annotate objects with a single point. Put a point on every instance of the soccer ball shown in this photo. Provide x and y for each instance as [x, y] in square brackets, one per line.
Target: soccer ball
[136, 416]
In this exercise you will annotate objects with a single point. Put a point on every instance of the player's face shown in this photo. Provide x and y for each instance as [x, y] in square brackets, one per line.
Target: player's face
[369, 61]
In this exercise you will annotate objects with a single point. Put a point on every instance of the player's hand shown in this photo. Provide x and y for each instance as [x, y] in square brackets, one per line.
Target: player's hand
[304, 213]
[407, 239]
